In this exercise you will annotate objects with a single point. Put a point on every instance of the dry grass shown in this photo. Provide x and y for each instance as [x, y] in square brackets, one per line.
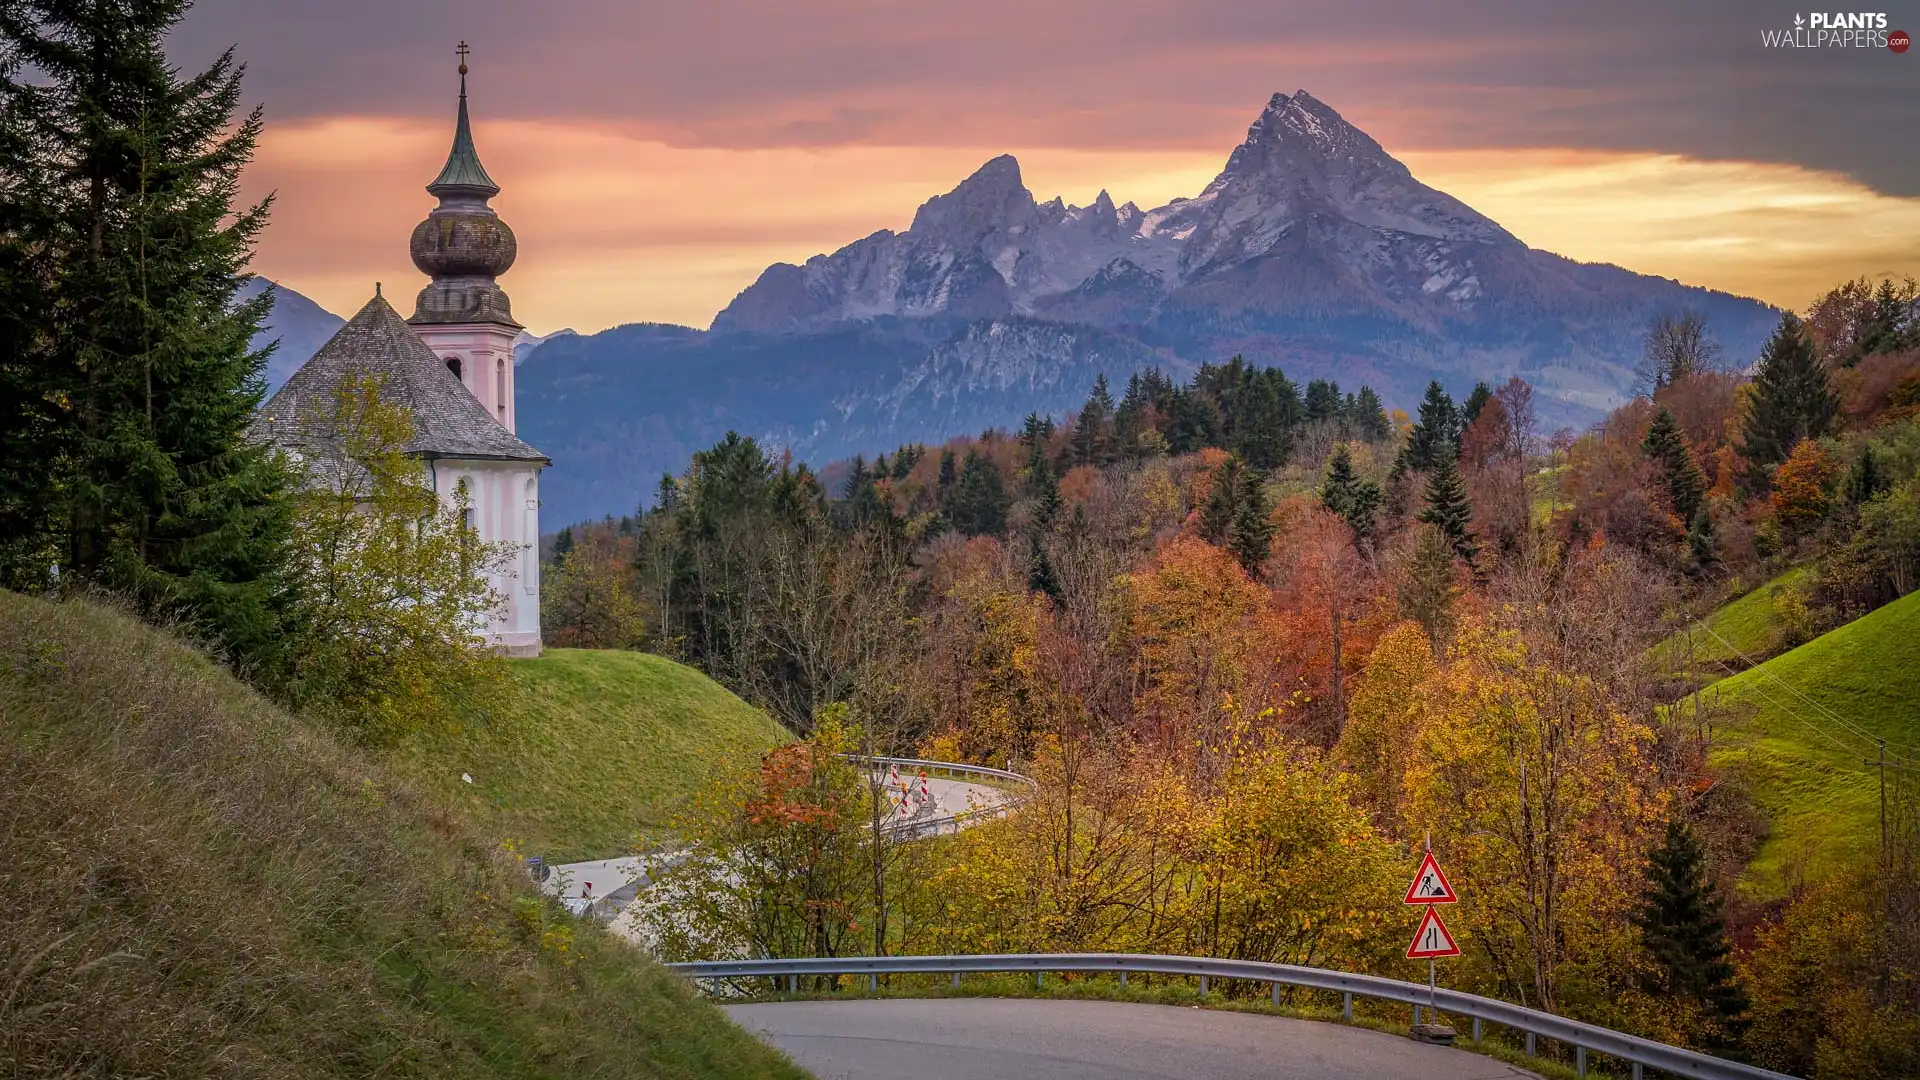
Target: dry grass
[195, 884]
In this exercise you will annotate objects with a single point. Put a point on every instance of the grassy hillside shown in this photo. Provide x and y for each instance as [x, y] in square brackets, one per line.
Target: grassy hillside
[606, 746]
[1748, 626]
[1801, 725]
[197, 885]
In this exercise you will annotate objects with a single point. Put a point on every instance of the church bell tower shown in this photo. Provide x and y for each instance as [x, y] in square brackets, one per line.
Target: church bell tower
[463, 314]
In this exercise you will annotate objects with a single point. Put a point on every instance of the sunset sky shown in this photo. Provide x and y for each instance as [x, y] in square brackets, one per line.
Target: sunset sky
[655, 157]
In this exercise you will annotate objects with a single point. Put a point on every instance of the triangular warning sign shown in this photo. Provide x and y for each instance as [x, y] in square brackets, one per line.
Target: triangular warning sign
[1432, 939]
[1430, 885]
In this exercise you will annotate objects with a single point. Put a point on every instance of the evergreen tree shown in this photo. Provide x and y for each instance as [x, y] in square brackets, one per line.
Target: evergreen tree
[1701, 543]
[1130, 419]
[1093, 431]
[1449, 511]
[1041, 577]
[1044, 489]
[1477, 400]
[1322, 400]
[1667, 447]
[1867, 478]
[666, 496]
[979, 498]
[1250, 537]
[141, 250]
[1792, 398]
[1353, 497]
[563, 543]
[1223, 495]
[1436, 434]
[1683, 933]
[1265, 409]
[1427, 587]
[948, 473]
[1369, 416]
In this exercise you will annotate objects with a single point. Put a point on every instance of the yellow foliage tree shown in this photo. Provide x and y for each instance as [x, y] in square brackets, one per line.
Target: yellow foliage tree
[1539, 797]
[1383, 722]
[394, 582]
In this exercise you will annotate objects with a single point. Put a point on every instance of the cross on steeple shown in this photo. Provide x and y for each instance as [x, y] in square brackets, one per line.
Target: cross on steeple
[463, 51]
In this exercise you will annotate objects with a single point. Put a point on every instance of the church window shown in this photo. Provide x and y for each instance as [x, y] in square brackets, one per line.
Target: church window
[453, 365]
[500, 387]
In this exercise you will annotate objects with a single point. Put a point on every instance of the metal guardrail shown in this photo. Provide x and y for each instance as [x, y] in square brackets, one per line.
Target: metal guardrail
[950, 768]
[915, 828]
[1640, 1053]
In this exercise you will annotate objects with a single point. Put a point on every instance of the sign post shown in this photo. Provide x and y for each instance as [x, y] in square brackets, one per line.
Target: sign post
[1432, 939]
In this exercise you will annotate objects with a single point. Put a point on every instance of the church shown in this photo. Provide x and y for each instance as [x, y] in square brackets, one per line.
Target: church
[451, 366]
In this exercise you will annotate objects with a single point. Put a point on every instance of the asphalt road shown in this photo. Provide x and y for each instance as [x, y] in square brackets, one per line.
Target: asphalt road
[1015, 1039]
[606, 877]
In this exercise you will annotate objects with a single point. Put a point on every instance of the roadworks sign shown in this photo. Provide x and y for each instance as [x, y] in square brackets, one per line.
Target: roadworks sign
[1432, 940]
[1430, 885]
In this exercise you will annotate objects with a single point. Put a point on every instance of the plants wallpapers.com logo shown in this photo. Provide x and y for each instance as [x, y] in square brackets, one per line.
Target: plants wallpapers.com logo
[1838, 30]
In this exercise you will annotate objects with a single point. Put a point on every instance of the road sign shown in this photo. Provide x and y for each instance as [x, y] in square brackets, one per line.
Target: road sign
[1432, 939]
[1430, 885]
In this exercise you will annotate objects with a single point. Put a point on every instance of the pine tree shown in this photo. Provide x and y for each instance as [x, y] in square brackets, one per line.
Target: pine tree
[1427, 587]
[1867, 478]
[1354, 498]
[1130, 419]
[563, 543]
[1250, 537]
[1322, 400]
[1683, 933]
[1477, 400]
[1792, 398]
[1702, 547]
[1223, 496]
[1093, 431]
[948, 473]
[979, 498]
[1370, 416]
[1044, 489]
[1449, 511]
[1435, 434]
[159, 491]
[1041, 577]
[1667, 446]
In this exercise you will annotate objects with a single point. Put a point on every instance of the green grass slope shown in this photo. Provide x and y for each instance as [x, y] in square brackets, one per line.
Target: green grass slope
[195, 884]
[1744, 629]
[1799, 729]
[605, 747]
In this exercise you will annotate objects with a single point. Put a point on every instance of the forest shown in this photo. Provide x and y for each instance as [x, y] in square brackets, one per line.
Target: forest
[1260, 643]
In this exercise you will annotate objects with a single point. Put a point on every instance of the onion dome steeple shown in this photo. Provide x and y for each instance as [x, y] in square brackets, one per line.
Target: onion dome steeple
[463, 245]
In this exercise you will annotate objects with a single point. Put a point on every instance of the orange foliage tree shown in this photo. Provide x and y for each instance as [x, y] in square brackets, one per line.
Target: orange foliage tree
[1800, 488]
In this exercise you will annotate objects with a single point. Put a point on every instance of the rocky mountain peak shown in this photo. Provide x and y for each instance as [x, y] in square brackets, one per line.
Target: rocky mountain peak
[991, 199]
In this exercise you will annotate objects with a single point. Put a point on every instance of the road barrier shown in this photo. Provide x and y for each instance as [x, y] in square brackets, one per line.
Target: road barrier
[1584, 1038]
[915, 828]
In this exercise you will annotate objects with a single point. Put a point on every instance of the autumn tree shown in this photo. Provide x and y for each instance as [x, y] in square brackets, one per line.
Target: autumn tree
[395, 579]
[1383, 723]
[588, 599]
[1536, 790]
[1676, 346]
[1800, 496]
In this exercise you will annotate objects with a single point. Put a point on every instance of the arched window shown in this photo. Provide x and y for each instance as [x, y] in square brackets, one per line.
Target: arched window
[500, 388]
[453, 365]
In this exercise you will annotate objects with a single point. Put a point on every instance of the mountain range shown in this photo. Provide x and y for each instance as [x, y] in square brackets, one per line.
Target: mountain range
[1313, 249]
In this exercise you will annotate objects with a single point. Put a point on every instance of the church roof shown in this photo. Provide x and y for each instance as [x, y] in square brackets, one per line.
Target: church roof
[463, 171]
[448, 421]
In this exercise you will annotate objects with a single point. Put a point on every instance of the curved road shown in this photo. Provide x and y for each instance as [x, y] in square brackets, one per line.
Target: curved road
[1016, 1039]
[620, 877]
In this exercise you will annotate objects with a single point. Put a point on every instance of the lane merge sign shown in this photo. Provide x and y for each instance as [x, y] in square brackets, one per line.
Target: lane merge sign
[1432, 939]
[1430, 885]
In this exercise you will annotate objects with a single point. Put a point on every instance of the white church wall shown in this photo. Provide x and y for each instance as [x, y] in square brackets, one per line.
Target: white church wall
[505, 500]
